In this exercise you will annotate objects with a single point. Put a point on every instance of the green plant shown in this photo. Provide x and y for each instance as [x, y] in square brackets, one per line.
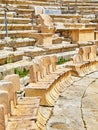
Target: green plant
[20, 72]
[9, 60]
[62, 60]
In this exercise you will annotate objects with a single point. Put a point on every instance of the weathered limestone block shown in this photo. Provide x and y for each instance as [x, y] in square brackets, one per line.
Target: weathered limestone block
[53, 62]
[34, 69]
[96, 34]
[2, 118]
[4, 100]
[84, 52]
[21, 125]
[41, 66]
[33, 74]
[47, 63]
[46, 24]
[77, 59]
[79, 68]
[44, 114]
[14, 78]
[93, 53]
[86, 34]
[82, 34]
[8, 86]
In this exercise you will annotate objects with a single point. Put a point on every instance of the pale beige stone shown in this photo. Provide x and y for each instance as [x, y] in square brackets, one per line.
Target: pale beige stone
[82, 34]
[4, 100]
[34, 69]
[33, 77]
[14, 78]
[53, 62]
[8, 86]
[93, 53]
[84, 52]
[43, 39]
[47, 25]
[41, 66]
[47, 63]
[77, 59]
[2, 118]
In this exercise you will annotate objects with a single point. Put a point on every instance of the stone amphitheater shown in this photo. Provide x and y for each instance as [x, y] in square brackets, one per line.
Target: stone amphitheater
[48, 65]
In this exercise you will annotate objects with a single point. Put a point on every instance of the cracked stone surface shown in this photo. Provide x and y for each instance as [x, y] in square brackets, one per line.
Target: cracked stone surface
[77, 108]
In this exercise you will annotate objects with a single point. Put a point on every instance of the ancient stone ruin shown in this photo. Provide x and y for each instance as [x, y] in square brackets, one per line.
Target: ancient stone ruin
[48, 65]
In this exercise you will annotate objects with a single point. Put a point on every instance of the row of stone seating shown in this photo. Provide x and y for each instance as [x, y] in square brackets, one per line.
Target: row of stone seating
[16, 112]
[85, 61]
[47, 81]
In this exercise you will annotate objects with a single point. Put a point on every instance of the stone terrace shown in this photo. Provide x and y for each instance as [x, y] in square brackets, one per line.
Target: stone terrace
[34, 36]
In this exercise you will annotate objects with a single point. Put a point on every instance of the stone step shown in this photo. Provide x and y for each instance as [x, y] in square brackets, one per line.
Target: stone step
[17, 34]
[25, 11]
[16, 27]
[16, 20]
[87, 7]
[25, 114]
[35, 51]
[66, 16]
[29, 2]
[9, 14]
[19, 42]
[22, 124]
[10, 56]
[65, 50]
[28, 16]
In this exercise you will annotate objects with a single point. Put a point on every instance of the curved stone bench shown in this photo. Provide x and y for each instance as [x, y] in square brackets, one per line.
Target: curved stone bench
[44, 114]
[85, 62]
[45, 88]
[24, 114]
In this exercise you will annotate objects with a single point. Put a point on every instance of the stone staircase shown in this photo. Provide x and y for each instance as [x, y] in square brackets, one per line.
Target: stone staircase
[28, 39]
[23, 30]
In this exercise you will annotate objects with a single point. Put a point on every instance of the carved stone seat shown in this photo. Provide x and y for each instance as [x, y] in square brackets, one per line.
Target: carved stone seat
[84, 62]
[15, 81]
[47, 25]
[2, 118]
[8, 87]
[46, 87]
[4, 100]
[25, 110]
[43, 39]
